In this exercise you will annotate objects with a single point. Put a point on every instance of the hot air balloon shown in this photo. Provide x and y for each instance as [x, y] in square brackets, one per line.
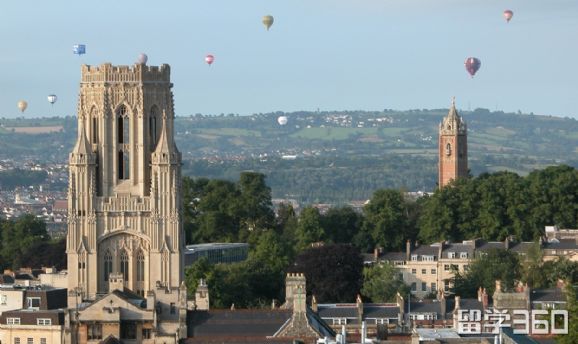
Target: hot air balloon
[472, 65]
[209, 59]
[508, 14]
[22, 105]
[142, 58]
[268, 21]
[79, 49]
[282, 120]
[52, 98]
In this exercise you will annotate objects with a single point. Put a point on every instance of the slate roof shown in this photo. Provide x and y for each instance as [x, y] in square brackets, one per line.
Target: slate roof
[376, 311]
[562, 244]
[426, 250]
[458, 248]
[432, 306]
[236, 323]
[548, 295]
[337, 310]
[394, 256]
[521, 247]
[471, 304]
[492, 245]
[349, 310]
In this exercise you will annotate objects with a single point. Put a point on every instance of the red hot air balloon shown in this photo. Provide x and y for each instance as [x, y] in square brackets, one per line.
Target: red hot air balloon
[508, 14]
[209, 59]
[472, 65]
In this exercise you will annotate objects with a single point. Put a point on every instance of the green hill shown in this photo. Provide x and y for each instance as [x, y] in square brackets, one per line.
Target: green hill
[333, 156]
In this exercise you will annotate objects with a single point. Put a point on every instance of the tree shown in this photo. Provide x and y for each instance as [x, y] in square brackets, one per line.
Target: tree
[341, 224]
[309, 228]
[200, 269]
[19, 236]
[386, 219]
[333, 272]
[256, 200]
[382, 282]
[485, 270]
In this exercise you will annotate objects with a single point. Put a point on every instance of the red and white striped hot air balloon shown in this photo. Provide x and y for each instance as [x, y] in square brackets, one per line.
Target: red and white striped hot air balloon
[209, 59]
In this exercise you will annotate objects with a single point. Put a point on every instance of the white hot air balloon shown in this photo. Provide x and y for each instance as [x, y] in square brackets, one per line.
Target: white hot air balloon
[52, 98]
[142, 58]
[22, 105]
[282, 120]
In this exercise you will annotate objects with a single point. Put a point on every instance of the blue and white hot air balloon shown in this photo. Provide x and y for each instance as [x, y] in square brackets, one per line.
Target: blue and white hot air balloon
[79, 49]
[52, 98]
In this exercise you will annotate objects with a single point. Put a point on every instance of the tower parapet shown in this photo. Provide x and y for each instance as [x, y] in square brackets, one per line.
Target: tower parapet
[138, 73]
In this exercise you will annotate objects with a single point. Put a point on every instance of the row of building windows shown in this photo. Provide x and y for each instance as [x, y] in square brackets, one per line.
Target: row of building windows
[424, 271]
[124, 266]
[29, 340]
[39, 321]
[127, 331]
[433, 286]
[430, 258]
[343, 321]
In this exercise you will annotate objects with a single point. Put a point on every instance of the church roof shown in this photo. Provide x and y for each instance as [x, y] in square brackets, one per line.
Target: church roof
[236, 323]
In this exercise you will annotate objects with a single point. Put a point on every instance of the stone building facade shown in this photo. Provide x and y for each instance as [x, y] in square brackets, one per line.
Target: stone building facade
[452, 147]
[125, 203]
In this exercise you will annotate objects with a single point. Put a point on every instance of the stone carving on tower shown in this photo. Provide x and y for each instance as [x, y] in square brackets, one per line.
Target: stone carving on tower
[125, 203]
[452, 147]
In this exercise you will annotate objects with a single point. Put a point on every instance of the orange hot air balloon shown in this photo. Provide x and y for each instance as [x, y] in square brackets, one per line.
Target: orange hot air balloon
[508, 14]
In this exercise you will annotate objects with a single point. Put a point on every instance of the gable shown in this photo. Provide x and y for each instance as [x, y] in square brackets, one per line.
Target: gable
[113, 308]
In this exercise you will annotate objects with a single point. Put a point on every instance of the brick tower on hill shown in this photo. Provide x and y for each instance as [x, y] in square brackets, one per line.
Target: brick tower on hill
[452, 147]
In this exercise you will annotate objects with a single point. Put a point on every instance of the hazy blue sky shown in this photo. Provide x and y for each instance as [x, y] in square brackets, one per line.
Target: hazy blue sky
[327, 54]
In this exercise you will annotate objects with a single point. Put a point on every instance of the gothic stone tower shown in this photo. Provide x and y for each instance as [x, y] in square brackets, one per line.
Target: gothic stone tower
[452, 147]
[124, 200]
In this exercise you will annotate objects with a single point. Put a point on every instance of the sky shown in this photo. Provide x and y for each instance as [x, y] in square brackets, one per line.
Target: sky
[319, 54]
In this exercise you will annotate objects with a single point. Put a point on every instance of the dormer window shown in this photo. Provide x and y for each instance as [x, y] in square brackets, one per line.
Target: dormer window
[414, 257]
[463, 255]
[451, 255]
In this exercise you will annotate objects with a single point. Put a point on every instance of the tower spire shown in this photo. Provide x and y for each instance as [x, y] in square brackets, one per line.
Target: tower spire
[82, 144]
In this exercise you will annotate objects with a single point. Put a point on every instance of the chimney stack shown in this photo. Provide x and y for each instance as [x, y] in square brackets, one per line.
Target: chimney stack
[457, 303]
[407, 250]
[314, 304]
[359, 305]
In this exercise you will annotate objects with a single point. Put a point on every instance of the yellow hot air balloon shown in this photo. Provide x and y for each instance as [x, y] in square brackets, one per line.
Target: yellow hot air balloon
[268, 21]
[22, 105]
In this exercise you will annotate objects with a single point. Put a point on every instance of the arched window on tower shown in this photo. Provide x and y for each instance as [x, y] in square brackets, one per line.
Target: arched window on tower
[140, 266]
[94, 129]
[124, 265]
[448, 149]
[123, 125]
[107, 265]
[153, 132]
